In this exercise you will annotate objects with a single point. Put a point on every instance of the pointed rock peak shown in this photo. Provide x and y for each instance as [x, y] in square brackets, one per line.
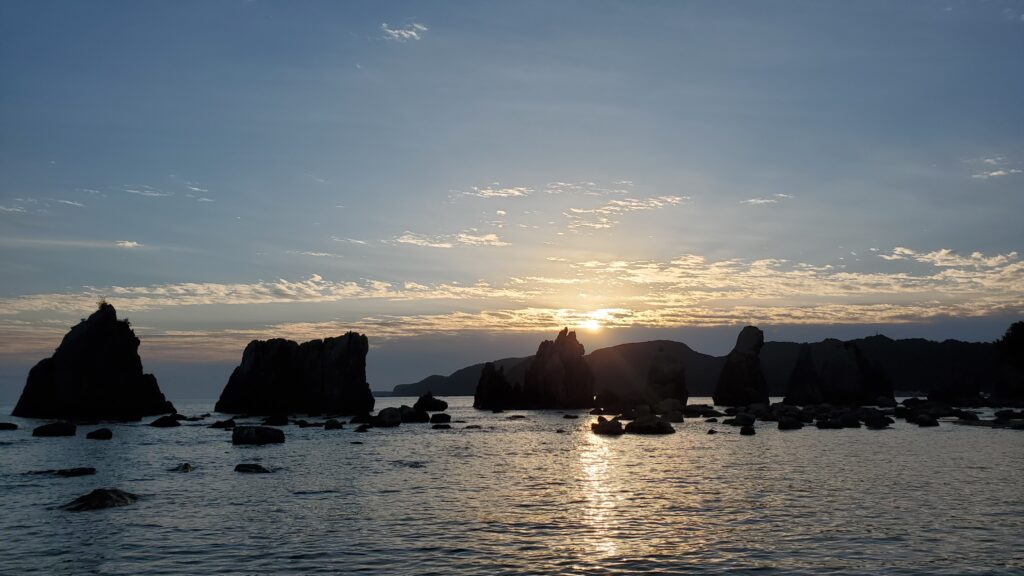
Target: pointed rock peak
[750, 340]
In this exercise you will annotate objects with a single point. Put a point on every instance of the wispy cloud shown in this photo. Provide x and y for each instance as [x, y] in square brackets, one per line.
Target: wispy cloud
[603, 216]
[12, 209]
[127, 244]
[470, 237]
[423, 240]
[774, 199]
[413, 31]
[496, 190]
[147, 191]
[996, 173]
[348, 240]
[314, 254]
[480, 239]
[69, 203]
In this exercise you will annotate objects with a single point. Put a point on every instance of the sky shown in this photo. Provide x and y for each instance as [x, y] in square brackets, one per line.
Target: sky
[459, 180]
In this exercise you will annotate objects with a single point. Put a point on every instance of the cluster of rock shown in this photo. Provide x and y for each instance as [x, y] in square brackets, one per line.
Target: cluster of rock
[279, 376]
[96, 372]
[558, 377]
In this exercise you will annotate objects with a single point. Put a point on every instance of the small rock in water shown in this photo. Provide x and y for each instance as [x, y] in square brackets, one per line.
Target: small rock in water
[649, 424]
[333, 424]
[711, 420]
[427, 403]
[166, 421]
[516, 417]
[560, 431]
[100, 434]
[251, 469]
[440, 418]
[256, 435]
[570, 416]
[606, 427]
[388, 418]
[101, 498]
[363, 428]
[229, 423]
[712, 431]
[472, 427]
[55, 429]
[355, 442]
[186, 467]
[67, 472]
[747, 431]
[8, 426]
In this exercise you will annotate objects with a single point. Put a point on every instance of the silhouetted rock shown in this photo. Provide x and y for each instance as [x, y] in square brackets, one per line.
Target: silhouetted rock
[666, 379]
[649, 424]
[165, 422]
[276, 420]
[790, 423]
[493, 391]
[606, 427]
[229, 423]
[388, 418]
[94, 373]
[101, 498]
[333, 424]
[441, 426]
[249, 468]
[747, 431]
[277, 376]
[427, 403]
[55, 429]
[100, 434]
[848, 377]
[1009, 381]
[741, 381]
[184, 467]
[412, 415]
[440, 418]
[256, 435]
[8, 426]
[363, 428]
[67, 472]
[804, 382]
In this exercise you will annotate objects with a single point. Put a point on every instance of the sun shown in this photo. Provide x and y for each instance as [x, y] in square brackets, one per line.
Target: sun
[591, 325]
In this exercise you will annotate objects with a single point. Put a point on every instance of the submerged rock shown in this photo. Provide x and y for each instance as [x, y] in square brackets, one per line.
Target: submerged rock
[333, 424]
[67, 472]
[440, 418]
[256, 435]
[741, 381]
[55, 429]
[606, 427]
[8, 426]
[166, 422]
[96, 372]
[388, 418]
[101, 498]
[229, 423]
[184, 467]
[412, 415]
[649, 424]
[250, 468]
[320, 376]
[100, 434]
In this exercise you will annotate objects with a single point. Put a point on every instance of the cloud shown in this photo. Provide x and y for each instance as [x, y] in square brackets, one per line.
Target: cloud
[423, 240]
[995, 173]
[774, 199]
[348, 240]
[147, 191]
[497, 191]
[413, 31]
[602, 216]
[127, 244]
[480, 240]
[70, 203]
[314, 254]
[12, 209]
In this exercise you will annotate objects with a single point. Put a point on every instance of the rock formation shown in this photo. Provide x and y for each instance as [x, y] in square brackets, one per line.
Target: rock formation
[804, 382]
[96, 372]
[321, 376]
[101, 498]
[847, 377]
[741, 381]
[557, 378]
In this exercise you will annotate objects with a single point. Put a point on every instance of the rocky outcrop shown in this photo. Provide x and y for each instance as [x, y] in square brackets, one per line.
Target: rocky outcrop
[101, 498]
[741, 381]
[666, 378]
[96, 372]
[249, 468]
[427, 403]
[805, 381]
[847, 377]
[256, 435]
[557, 378]
[320, 376]
[55, 429]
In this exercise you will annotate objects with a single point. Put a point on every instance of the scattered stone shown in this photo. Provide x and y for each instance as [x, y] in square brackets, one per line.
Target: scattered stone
[412, 415]
[790, 423]
[250, 468]
[516, 417]
[440, 418]
[8, 426]
[472, 427]
[355, 442]
[185, 467]
[649, 424]
[101, 498]
[333, 424]
[229, 423]
[168, 421]
[256, 435]
[747, 431]
[712, 431]
[388, 418]
[100, 434]
[55, 429]
[606, 427]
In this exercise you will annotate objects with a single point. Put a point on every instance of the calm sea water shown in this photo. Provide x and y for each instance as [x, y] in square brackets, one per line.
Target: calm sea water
[519, 497]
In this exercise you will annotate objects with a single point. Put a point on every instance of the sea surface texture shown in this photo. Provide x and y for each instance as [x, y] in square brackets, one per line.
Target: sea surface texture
[518, 496]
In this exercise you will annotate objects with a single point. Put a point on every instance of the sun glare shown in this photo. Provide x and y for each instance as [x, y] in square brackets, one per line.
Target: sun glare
[592, 325]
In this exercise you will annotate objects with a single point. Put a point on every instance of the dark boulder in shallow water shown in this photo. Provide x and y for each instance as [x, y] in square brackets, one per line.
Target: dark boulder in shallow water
[649, 424]
[100, 434]
[741, 381]
[388, 418]
[441, 426]
[229, 423]
[606, 427]
[427, 403]
[185, 467]
[96, 372]
[440, 418]
[101, 498]
[320, 376]
[8, 426]
[333, 424]
[256, 435]
[251, 469]
[412, 415]
[55, 429]
[747, 431]
[168, 421]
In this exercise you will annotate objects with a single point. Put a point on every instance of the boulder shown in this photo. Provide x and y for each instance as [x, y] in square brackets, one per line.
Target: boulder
[101, 498]
[250, 468]
[55, 429]
[333, 424]
[229, 423]
[804, 385]
[185, 467]
[747, 431]
[440, 418]
[362, 428]
[168, 421]
[96, 372]
[388, 418]
[8, 426]
[256, 435]
[427, 403]
[790, 423]
[412, 415]
[741, 381]
[606, 427]
[320, 376]
[649, 424]
[100, 434]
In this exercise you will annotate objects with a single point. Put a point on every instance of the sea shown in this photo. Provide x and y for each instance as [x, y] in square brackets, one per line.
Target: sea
[533, 495]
